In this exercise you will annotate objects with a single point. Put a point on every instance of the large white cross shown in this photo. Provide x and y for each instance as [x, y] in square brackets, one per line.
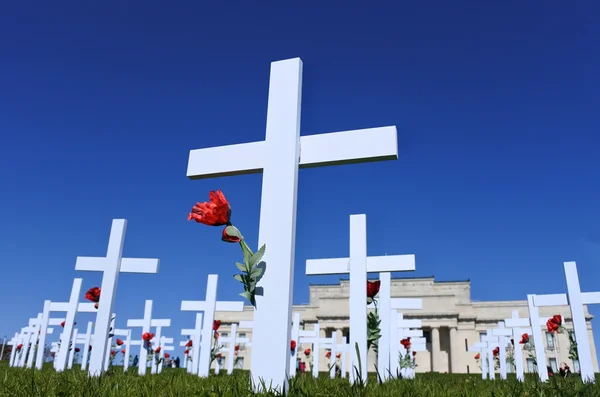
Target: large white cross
[358, 265]
[208, 307]
[575, 299]
[519, 326]
[279, 156]
[111, 265]
[126, 334]
[385, 304]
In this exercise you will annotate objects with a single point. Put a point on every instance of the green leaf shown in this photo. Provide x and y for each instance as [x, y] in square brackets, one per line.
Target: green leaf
[258, 256]
[247, 295]
[257, 271]
[238, 277]
[241, 266]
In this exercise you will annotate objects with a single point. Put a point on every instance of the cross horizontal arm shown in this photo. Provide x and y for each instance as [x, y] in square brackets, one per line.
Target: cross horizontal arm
[160, 323]
[243, 158]
[86, 307]
[193, 306]
[136, 323]
[409, 323]
[370, 144]
[128, 265]
[234, 306]
[59, 306]
[406, 303]
[246, 324]
[55, 321]
[188, 331]
[307, 333]
[590, 298]
[375, 264]
[550, 300]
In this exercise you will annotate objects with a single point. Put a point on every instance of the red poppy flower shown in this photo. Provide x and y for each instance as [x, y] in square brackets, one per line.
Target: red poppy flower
[186, 352]
[62, 324]
[477, 356]
[158, 349]
[113, 353]
[119, 342]
[93, 294]
[229, 239]
[216, 325]
[557, 319]
[293, 345]
[406, 343]
[496, 351]
[236, 348]
[338, 355]
[216, 335]
[215, 212]
[219, 355]
[77, 350]
[189, 344]
[307, 352]
[552, 325]
[167, 355]
[414, 353]
[147, 336]
[328, 354]
[89, 347]
[524, 339]
[123, 351]
[373, 288]
[19, 346]
[52, 354]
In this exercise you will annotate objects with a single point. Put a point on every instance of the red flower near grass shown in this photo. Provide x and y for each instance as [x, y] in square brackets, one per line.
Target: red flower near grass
[293, 345]
[524, 339]
[307, 352]
[189, 344]
[119, 342]
[19, 346]
[113, 353]
[406, 343]
[216, 325]
[158, 349]
[554, 323]
[373, 288]
[123, 351]
[147, 336]
[167, 355]
[236, 348]
[328, 354]
[496, 351]
[215, 212]
[477, 356]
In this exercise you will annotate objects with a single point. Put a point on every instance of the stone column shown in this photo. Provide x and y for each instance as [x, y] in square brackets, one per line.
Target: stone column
[454, 349]
[435, 349]
[322, 360]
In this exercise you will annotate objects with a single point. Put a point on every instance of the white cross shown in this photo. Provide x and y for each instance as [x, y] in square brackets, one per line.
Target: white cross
[111, 266]
[385, 304]
[145, 323]
[534, 302]
[33, 338]
[334, 349]
[519, 326]
[126, 334]
[14, 342]
[313, 337]
[229, 349]
[575, 299]
[279, 156]
[492, 342]
[194, 336]
[208, 306]
[108, 355]
[295, 335]
[166, 345]
[74, 339]
[400, 328]
[159, 324]
[86, 341]
[30, 333]
[502, 332]
[358, 265]
[481, 348]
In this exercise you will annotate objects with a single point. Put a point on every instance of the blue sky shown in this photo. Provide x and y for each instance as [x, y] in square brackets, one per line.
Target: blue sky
[496, 108]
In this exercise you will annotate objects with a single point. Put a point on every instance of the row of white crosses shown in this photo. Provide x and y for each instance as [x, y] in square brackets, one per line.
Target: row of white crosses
[279, 156]
[358, 265]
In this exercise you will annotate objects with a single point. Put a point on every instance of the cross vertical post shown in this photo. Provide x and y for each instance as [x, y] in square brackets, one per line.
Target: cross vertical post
[294, 352]
[519, 326]
[111, 265]
[144, 323]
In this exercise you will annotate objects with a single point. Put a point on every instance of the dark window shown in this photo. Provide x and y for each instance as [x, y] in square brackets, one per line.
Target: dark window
[427, 336]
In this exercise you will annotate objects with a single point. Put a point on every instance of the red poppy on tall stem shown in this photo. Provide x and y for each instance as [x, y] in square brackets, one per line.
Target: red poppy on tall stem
[328, 354]
[524, 338]
[167, 355]
[406, 343]
[19, 346]
[186, 352]
[307, 352]
[293, 345]
[496, 351]
[123, 351]
[338, 355]
[93, 294]
[189, 343]
[77, 350]
[119, 342]
[414, 353]
[216, 325]
[477, 356]
[113, 353]
[158, 349]
[236, 348]
[554, 323]
[215, 212]
[373, 288]
[147, 336]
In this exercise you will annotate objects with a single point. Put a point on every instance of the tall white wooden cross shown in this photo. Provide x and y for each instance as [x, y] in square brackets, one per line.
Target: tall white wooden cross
[194, 336]
[534, 302]
[490, 343]
[279, 156]
[33, 338]
[502, 332]
[111, 265]
[208, 307]
[481, 349]
[519, 326]
[145, 324]
[576, 300]
[358, 265]
[294, 337]
[385, 305]
[166, 345]
[126, 334]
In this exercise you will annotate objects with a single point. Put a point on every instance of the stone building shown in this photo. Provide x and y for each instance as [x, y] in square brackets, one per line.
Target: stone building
[451, 323]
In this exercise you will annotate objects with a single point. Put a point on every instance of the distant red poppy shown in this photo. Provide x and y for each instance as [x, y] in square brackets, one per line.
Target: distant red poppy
[338, 355]
[147, 336]
[554, 323]
[496, 351]
[307, 352]
[219, 355]
[414, 353]
[158, 349]
[186, 352]
[119, 342]
[373, 288]
[19, 346]
[524, 338]
[216, 325]
[62, 324]
[406, 343]
[215, 212]
[189, 343]
[123, 351]
[113, 353]
[77, 350]
[236, 348]
[93, 294]
[167, 355]
[328, 354]
[293, 345]
[477, 356]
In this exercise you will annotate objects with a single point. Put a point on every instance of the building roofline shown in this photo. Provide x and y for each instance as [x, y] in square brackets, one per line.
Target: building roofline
[397, 279]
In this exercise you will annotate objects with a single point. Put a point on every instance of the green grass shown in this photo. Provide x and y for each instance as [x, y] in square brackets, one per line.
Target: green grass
[15, 382]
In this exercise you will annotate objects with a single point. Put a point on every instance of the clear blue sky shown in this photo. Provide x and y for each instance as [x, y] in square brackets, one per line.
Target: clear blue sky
[496, 108]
